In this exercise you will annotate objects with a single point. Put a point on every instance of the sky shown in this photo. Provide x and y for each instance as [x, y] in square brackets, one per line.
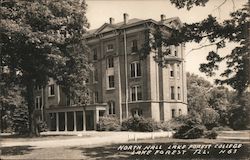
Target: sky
[99, 12]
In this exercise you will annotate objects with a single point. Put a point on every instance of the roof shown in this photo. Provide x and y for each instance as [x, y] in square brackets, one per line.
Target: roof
[106, 27]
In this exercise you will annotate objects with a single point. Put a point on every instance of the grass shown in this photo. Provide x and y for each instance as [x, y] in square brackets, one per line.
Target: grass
[110, 152]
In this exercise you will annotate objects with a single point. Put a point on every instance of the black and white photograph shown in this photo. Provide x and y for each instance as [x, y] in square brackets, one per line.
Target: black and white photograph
[125, 79]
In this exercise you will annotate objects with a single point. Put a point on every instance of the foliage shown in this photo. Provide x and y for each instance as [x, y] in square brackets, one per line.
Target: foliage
[42, 126]
[235, 30]
[138, 123]
[210, 118]
[188, 3]
[41, 40]
[239, 112]
[222, 128]
[109, 123]
[167, 126]
[197, 93]
[20, 123]
[191, 129]
[212, 134]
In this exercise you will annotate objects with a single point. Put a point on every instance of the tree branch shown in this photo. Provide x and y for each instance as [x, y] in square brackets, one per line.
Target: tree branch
[203, 46]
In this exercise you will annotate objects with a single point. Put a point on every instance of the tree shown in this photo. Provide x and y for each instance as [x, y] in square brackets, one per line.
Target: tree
[239, 112]
[236, 30]
[197, 94]
[43, 39]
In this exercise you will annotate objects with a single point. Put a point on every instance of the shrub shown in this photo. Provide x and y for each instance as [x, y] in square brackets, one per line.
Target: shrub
[210, 118]
[42, 126]
[166, 126]
[109, 123]
[191, 129]
[190, 132]
[212, 134]
[138, 123]
[20, 124]
[222, 128]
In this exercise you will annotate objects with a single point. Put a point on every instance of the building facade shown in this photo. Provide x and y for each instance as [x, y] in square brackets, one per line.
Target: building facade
[121, 83]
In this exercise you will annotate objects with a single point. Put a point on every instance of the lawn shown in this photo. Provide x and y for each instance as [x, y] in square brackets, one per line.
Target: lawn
[141, 150]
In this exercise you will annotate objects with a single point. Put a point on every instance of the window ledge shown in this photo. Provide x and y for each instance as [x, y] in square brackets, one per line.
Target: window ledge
[109, 50]
[110, 89]
[50, 96]
[136, 77]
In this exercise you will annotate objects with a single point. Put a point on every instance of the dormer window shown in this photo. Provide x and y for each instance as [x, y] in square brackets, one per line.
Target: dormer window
[110, 47]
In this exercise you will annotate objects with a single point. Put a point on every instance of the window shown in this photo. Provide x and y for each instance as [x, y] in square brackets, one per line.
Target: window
[135, 69]
[175, 50]
[173, 113]
[110, 47]
[111, 81]
[172, 92]
[178, 71]
[38, 87]
[137, 112]
[51, 90]
[95, 97]
[171, 70]
[111, 106]
[136, 93]
[95, 75]
[110, 62]
[180, 112]
[38, 102]
[134, 46]
[95, 54]
[179, 93]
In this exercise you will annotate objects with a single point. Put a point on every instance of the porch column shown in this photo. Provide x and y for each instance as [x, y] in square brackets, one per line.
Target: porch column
[66, 121]
[57, 121]
[96, 118]
[84, 120]
[74, 121]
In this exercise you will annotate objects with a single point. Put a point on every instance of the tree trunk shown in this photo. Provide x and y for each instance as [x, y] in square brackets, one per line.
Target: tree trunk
[33, 129]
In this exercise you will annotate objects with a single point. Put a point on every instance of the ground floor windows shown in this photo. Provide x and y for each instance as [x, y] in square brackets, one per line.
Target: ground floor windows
[136, 112]
[173, 113]
[180, 112]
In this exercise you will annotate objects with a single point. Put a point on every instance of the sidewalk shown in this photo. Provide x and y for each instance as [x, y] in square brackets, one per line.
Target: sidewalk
[88, 138]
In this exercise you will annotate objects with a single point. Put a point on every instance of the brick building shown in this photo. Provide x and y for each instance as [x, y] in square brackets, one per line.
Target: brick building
[121, 82]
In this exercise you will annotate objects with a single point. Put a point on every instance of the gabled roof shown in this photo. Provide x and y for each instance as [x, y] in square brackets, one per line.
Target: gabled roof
[106, 27]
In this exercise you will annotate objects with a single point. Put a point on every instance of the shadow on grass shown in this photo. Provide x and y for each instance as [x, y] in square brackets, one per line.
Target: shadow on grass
[111, 152]
[16, 150]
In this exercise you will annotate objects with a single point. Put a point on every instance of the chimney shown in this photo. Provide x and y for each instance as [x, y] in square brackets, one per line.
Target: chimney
[163, 17]
[111, 20]
[125, 18]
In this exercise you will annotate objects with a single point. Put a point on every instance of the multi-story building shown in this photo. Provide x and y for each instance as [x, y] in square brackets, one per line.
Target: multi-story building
[122, 83]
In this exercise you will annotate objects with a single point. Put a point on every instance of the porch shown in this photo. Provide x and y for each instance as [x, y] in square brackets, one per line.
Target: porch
[74, 118]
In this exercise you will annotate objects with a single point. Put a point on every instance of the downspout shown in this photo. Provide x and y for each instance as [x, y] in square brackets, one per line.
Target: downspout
[126, 72]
